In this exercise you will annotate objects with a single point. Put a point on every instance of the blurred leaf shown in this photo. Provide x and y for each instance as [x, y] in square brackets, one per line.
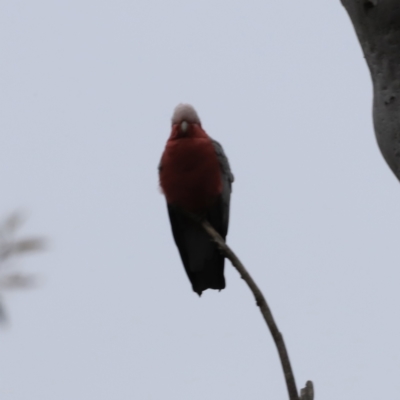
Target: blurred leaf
[13, 222]
[30, 244]
[3, 315]
[9, 248]
[17, 281]
[5, 252]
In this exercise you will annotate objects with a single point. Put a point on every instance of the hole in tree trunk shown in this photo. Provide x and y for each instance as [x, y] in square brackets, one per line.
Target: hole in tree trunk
[369, 5]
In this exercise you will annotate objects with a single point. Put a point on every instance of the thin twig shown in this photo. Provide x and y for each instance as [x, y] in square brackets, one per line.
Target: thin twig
[262, 304]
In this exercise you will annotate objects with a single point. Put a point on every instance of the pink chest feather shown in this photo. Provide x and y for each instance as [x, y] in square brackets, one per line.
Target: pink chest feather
[190, 176]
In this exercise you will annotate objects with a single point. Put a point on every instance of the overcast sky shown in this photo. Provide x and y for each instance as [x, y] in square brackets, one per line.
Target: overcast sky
[87, 89]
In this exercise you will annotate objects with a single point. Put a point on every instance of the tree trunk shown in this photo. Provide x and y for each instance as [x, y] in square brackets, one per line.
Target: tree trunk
[377, 24]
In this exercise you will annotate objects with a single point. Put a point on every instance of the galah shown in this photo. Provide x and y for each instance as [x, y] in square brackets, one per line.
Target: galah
[195, 178]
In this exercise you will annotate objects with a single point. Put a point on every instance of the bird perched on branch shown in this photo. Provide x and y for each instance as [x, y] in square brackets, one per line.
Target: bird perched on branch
[195, 178]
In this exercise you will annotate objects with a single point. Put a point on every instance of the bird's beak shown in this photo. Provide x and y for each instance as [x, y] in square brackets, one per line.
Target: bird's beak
[184, 126]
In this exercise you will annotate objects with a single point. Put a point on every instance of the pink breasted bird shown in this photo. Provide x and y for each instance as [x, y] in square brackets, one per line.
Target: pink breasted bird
[195, 177]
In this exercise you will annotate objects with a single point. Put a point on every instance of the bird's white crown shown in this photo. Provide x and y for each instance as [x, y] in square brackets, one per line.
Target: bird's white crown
[185, 112]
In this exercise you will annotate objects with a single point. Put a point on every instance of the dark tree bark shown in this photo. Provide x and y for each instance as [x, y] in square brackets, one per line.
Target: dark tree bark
[377, 24]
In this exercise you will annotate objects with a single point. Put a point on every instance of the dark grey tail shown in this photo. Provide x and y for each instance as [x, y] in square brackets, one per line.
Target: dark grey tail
[203, 262]
[211, 276]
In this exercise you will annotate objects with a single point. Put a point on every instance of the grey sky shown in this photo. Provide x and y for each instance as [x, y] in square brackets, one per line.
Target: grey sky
[87, 89]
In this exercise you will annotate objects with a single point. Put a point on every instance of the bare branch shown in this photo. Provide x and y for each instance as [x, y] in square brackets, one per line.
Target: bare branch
[266, 313]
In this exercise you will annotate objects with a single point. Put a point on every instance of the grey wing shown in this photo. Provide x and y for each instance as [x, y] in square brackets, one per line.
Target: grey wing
[227, 180]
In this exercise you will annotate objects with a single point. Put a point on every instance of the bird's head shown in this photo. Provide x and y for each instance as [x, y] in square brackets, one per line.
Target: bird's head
[185, 121]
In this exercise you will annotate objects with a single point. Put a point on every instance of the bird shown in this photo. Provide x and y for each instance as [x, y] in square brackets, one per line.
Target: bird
[196, 179]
